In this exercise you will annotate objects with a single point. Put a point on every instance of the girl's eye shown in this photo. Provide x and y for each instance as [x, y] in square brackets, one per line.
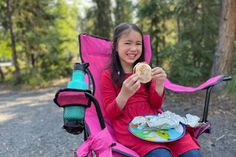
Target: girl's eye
[127, 43]
[138, 43]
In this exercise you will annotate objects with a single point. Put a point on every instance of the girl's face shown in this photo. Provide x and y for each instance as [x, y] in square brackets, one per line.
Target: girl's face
[129, 49]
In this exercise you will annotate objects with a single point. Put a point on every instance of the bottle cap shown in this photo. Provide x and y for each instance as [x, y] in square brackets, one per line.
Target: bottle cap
[81, 66]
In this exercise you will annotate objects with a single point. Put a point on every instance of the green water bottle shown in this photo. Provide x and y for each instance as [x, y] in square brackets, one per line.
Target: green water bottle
[74, 115]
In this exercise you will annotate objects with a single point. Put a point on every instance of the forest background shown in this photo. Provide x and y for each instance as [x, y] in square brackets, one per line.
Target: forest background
[191, 40]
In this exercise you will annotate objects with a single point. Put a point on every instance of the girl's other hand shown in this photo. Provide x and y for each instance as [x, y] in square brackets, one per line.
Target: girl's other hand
[159, 75]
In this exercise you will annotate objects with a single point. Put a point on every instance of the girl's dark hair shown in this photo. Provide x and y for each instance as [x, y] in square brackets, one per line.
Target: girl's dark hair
[117, 72]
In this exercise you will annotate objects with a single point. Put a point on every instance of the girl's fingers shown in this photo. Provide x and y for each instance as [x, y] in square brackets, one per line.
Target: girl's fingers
[157, 70]
[131, 85]
[158, 74]
[131, 82]
[136, 85]
[132, 79]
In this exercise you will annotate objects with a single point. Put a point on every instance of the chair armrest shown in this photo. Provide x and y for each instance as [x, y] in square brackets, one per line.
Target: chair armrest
[210, 82]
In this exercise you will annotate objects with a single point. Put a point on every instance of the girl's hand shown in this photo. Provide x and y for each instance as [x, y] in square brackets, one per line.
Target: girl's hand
[159, 75]
[130, 87]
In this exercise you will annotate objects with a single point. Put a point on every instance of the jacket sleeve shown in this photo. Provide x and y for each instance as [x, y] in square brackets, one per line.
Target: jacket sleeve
[109, 93]
[155, 99]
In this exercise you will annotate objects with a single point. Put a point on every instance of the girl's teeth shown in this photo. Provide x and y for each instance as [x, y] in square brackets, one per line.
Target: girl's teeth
[131, 55]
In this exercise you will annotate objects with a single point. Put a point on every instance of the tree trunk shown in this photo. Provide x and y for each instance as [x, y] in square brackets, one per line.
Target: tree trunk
[122, 11]
[223, 59]
[13, 42]
[32, 60]
[103, 20]
[2, 74]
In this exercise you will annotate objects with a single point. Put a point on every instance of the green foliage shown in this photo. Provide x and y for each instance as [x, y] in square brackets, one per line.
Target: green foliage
[34, 79]
[5, 50]
[185, 64]
[183, 34]
[46, 38]
[66, 27]
[197, 32]
[161, 26]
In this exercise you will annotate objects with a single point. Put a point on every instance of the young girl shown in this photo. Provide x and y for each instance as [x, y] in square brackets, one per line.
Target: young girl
[125, 97]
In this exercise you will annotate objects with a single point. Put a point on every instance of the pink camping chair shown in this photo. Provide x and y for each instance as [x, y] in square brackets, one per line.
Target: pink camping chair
[98, 133]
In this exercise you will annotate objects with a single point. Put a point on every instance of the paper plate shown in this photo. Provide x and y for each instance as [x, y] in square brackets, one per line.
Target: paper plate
[158, 135]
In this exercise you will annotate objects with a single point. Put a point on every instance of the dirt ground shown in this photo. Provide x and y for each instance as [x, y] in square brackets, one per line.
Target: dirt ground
[30, 123]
